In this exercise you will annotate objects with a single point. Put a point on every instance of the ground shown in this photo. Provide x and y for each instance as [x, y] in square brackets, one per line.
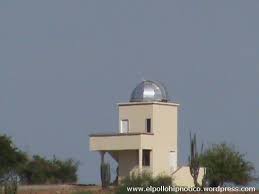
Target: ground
[60, 189]
[75, 189]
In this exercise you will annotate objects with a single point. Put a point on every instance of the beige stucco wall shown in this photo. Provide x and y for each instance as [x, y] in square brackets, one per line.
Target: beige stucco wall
[125, 142]
[182, 177]
[128, 160]
[129, 163]
[163, 126]
[136, 114]
[165, 134]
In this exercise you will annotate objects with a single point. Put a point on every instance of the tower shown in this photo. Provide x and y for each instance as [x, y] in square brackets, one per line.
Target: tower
[147, 134]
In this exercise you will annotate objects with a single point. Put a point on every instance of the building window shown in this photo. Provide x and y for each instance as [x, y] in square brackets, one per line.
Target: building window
[146, 158]
[148, 125]
[124, 128]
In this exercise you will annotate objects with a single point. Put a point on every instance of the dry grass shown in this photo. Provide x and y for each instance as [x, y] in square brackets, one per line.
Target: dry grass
[57, 189]
[70, 189]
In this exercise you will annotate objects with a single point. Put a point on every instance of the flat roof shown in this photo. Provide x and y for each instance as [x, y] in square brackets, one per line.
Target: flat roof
[117, 134]
[147, 103]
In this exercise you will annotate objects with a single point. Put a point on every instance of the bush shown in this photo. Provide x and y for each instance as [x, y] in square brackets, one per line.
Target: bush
[162, 181]
[42, 171]
[35, 170]
[226, 165]
[143, 180]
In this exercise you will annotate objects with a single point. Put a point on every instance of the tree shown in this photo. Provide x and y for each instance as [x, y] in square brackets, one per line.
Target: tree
[16, 165]
[40, 170]
[226, 165]
[11, 161]
[11, 158]
[65, 170]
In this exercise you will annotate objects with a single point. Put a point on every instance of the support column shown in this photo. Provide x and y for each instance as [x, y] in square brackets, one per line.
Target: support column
[102, 156]
[140, 152]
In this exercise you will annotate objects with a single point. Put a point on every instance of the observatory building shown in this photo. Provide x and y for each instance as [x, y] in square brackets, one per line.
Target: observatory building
[147, 139]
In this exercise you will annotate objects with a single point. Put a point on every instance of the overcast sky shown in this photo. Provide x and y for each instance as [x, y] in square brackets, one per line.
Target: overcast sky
[65, 64]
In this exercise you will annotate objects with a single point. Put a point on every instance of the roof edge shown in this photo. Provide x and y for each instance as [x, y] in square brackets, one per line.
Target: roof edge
[147, 103]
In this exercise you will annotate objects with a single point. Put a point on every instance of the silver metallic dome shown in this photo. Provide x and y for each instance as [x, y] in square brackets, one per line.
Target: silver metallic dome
[148, 91]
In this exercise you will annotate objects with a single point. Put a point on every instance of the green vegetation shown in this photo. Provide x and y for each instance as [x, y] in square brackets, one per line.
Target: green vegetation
[16, 165]
[223, 165]
[10, 184]
[39, 170]
[226, 165]
[105, 174]
[143, 180]
[11, 161]
[11, 158]
[194, 160]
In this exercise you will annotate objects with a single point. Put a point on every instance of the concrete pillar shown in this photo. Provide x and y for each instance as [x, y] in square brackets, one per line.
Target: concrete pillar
[140, 152]
[102, 156]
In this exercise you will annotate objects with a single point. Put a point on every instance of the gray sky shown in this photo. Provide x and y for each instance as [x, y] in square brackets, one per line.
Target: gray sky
[65, 64]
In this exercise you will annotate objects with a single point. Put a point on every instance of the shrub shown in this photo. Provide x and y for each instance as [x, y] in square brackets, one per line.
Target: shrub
[143, 180]
[35, 170]
[162, 180]
[42, 171]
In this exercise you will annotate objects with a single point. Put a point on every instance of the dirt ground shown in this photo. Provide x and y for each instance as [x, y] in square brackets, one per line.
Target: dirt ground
[58, 189]
[72, 189]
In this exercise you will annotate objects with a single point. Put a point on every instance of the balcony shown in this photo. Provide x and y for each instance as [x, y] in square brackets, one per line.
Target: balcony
[121, 141]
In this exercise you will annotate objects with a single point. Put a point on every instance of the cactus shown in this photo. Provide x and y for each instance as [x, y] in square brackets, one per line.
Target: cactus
[105, 174]
[194, 160]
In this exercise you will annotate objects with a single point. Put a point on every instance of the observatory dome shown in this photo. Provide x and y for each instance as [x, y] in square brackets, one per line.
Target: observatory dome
[149, 91]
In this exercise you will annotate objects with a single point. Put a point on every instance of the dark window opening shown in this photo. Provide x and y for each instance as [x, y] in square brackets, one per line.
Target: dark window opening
[148, 125]
[146, 158]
